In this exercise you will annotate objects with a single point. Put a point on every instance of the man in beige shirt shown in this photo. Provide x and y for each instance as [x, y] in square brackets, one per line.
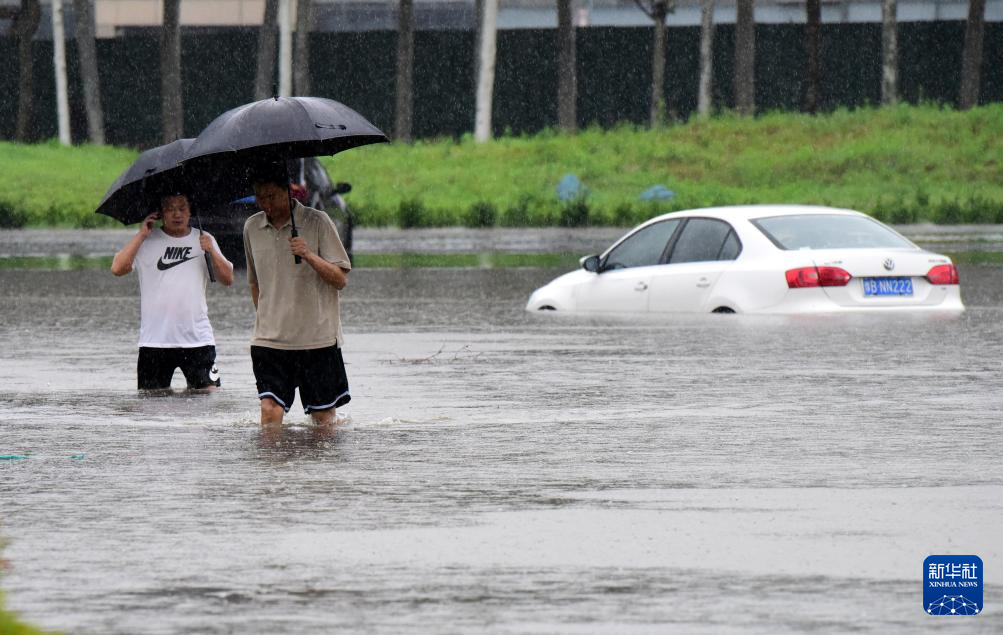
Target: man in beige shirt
[297, 329]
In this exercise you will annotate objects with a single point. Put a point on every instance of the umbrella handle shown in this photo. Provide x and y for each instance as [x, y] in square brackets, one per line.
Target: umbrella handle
[208, 258]
[292, 219]
[208, 265]
[296, 259]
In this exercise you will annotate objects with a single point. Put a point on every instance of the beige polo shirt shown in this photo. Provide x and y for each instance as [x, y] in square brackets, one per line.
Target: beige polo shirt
[297, 310]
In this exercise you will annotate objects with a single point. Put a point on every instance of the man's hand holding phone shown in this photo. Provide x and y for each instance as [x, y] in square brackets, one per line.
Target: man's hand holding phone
[147, 225]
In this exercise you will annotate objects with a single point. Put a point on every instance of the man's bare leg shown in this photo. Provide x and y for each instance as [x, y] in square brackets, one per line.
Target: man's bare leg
[323, 417]
[271, 412]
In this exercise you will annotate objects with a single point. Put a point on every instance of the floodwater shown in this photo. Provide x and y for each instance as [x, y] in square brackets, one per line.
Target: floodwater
[501, 471]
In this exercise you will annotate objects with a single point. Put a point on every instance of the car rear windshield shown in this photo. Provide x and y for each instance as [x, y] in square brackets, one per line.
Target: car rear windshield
[828, 231]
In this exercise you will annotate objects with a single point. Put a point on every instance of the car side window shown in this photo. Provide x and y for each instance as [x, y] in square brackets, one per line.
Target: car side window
[702, 240]
[642, 248]
[731, 247]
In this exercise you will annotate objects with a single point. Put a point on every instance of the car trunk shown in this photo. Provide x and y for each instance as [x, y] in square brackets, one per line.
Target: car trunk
[883, 277]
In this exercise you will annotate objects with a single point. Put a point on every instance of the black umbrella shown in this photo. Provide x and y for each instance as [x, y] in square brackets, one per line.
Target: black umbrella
[276, 129]
[158, 171]
[285, 128]
[136, 191]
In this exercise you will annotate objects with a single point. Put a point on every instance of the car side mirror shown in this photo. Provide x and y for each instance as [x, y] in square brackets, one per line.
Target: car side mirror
[342, 188]
[591, 264]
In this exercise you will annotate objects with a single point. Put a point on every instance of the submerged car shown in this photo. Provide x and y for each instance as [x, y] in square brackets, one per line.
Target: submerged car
[758, 259]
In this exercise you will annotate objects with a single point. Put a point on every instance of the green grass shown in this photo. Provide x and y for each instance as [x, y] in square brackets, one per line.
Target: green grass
[902, 164]
[47, 185]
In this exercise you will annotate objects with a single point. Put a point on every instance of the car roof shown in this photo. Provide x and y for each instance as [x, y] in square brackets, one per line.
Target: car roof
[748, 212]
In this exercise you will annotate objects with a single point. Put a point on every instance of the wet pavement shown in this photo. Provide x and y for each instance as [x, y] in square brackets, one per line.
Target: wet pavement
[500, 471]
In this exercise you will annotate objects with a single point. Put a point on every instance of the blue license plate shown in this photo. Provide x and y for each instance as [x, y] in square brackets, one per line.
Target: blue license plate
[887, 286]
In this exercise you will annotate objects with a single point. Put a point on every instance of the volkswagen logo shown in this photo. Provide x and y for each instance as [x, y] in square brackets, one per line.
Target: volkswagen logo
[889, 264]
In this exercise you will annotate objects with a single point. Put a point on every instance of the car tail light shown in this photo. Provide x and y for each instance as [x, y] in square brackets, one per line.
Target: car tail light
[943, 274]
[817, 277]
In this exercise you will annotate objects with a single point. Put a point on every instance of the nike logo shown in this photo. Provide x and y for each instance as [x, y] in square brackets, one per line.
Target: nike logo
[164, 266]
[173, 253]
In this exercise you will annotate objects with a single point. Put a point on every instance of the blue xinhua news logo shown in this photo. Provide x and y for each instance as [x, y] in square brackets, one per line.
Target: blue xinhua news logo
[952, 585]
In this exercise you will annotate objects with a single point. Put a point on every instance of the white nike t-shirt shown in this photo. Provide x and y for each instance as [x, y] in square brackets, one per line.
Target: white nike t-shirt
[172, 279]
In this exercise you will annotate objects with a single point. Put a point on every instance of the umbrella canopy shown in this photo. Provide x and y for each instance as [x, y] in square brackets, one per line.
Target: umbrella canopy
[284, 128]
[158, 171]
[133, 194]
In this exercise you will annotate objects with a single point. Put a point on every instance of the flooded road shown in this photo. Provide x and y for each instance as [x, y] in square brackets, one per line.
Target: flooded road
[501, 471]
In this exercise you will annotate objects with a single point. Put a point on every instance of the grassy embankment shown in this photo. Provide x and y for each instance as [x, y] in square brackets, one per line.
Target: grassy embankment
[902, 164]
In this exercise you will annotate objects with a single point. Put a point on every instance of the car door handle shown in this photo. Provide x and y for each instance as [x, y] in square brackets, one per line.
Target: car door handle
[641, 286]
[703, 283]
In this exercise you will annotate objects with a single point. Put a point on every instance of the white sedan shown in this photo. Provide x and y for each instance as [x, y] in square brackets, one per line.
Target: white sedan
[758, 259]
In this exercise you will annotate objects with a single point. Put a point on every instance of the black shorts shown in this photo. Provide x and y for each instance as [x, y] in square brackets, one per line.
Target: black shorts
[155, 367]
[319, 373]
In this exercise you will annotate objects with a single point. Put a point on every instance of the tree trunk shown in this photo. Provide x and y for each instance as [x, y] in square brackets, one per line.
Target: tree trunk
[889, 52]
[479, 17]
[659, 10]
[486, 71]
[25, 26]
[172, 114]
[83, 11]
[265, 77]
[404, 95]
[971, 61]
[812, 44]
[285, 49]
[704, 98]
[745, 57]
[301, 68]
[567, 87]
[59, 64]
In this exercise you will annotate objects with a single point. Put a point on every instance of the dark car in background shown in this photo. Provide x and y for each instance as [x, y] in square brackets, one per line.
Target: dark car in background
[309, 184]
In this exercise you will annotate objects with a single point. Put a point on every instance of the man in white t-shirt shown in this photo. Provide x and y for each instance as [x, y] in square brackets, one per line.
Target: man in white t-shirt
[174, 330]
